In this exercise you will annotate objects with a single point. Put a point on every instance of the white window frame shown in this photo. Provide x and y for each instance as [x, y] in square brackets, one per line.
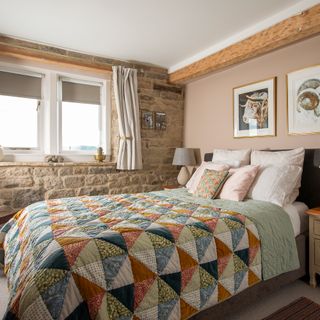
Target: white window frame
[25, 154]
[49, 116]
[104, 125]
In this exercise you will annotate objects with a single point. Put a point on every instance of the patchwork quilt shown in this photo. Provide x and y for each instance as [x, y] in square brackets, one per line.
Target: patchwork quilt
[141, 256]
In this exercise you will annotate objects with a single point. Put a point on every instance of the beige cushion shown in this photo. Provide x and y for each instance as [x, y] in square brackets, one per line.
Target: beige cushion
[228, 156]
[210, 183]
[194, 180]
[279, 158]
[275, 183]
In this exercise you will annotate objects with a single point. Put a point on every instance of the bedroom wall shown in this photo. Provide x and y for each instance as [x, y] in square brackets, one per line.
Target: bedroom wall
[24, 183]
[209, 109]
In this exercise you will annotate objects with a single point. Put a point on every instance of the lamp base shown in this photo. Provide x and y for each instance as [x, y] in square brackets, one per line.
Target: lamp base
[183, 176]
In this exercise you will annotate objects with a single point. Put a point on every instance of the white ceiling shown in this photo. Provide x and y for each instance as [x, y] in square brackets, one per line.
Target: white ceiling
[168, 33]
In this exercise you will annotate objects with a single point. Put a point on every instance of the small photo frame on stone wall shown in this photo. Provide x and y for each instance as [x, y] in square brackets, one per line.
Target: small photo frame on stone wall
[147, 119]
[160, 121]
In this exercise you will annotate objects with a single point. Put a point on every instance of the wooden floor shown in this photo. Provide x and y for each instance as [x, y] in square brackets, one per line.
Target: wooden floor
[255, 311]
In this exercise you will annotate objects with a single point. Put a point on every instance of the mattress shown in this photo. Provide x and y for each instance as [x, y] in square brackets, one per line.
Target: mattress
[298, 218]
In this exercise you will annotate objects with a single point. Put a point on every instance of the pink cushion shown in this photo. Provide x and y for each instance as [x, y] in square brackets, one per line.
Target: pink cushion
[239, 183]
[195, 179]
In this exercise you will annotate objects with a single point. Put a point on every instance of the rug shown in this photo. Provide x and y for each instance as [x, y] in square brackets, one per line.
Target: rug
[300, 309]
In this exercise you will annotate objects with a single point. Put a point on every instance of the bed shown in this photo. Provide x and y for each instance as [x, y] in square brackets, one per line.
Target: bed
[158, 255]
[309, 195]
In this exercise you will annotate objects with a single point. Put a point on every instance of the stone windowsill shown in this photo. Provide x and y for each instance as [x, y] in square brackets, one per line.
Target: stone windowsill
[61, 164]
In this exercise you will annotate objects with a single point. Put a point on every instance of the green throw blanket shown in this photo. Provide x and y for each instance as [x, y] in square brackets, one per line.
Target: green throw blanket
[278, 246]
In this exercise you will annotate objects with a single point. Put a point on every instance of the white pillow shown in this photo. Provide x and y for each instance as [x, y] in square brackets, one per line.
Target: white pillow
[275, 183]
[225, 156]
[279, 158]
[195, 179]
[293, 157]
[230, 163]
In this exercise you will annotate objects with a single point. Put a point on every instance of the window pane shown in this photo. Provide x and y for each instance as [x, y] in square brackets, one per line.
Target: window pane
[80, 126]
[18, 122]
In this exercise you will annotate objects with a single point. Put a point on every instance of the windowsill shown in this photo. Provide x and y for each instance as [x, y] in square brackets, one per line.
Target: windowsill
[59, 164]
[16, 157]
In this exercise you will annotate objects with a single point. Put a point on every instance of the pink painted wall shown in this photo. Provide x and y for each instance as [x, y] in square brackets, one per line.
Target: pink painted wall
[209, 109]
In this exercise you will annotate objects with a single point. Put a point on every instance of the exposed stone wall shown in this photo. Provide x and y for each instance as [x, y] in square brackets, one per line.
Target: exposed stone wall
[156, 94]
[21, 185]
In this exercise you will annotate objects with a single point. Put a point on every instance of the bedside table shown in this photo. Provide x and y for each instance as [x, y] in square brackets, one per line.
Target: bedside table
[171, 186]
[314, 244]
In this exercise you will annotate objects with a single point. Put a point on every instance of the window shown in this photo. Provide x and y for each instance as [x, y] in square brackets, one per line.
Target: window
[46, 112]
[20, 96]
[80, 116]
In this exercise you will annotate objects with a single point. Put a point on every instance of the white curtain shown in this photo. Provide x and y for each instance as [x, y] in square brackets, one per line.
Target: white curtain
[125, 85]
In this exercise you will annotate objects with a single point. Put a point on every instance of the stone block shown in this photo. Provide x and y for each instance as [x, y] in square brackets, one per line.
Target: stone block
[170, 95]
[102, 169]
[67, 171]
[92, 191]
[6, 194]
[95, 179]
[26, 196]
[73, 181]
[50, 182]
[168, 88]
[80, 170]
[44, 171]
[13, 182]
[59, 193]
[17, 171]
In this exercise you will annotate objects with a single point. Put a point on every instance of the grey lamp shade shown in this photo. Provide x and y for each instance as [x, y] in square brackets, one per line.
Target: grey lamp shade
[184, 157]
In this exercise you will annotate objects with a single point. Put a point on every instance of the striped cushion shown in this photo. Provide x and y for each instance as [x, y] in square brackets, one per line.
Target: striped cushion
[210, 183]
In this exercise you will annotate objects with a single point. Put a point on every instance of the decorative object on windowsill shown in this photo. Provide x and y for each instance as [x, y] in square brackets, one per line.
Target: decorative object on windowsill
[1, 153]
[303, 103]
[160, 121]
[184, 157]
[54, 159]
[147, 119]
[99, 156]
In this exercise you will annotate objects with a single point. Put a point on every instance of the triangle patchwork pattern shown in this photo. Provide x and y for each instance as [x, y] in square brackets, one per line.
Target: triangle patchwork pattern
[140, 271]
[142, 256]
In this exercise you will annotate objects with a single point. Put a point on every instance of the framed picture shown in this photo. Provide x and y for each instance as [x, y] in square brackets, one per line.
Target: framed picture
[147, 120]
[160, 121]
[254, 109]
[303, 101]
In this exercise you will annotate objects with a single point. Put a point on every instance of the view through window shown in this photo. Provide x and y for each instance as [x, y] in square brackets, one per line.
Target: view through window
[18, 122]
[80, 126]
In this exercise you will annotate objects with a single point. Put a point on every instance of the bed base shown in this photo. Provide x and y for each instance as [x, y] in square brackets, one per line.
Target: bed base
[229, 307]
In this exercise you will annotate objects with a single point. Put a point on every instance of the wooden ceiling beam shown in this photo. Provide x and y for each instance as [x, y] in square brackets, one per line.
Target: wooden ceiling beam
[31, 54]
[31, 51]
[293, 29]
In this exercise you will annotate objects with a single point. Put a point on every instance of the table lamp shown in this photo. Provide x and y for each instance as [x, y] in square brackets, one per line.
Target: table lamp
[184, 157]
